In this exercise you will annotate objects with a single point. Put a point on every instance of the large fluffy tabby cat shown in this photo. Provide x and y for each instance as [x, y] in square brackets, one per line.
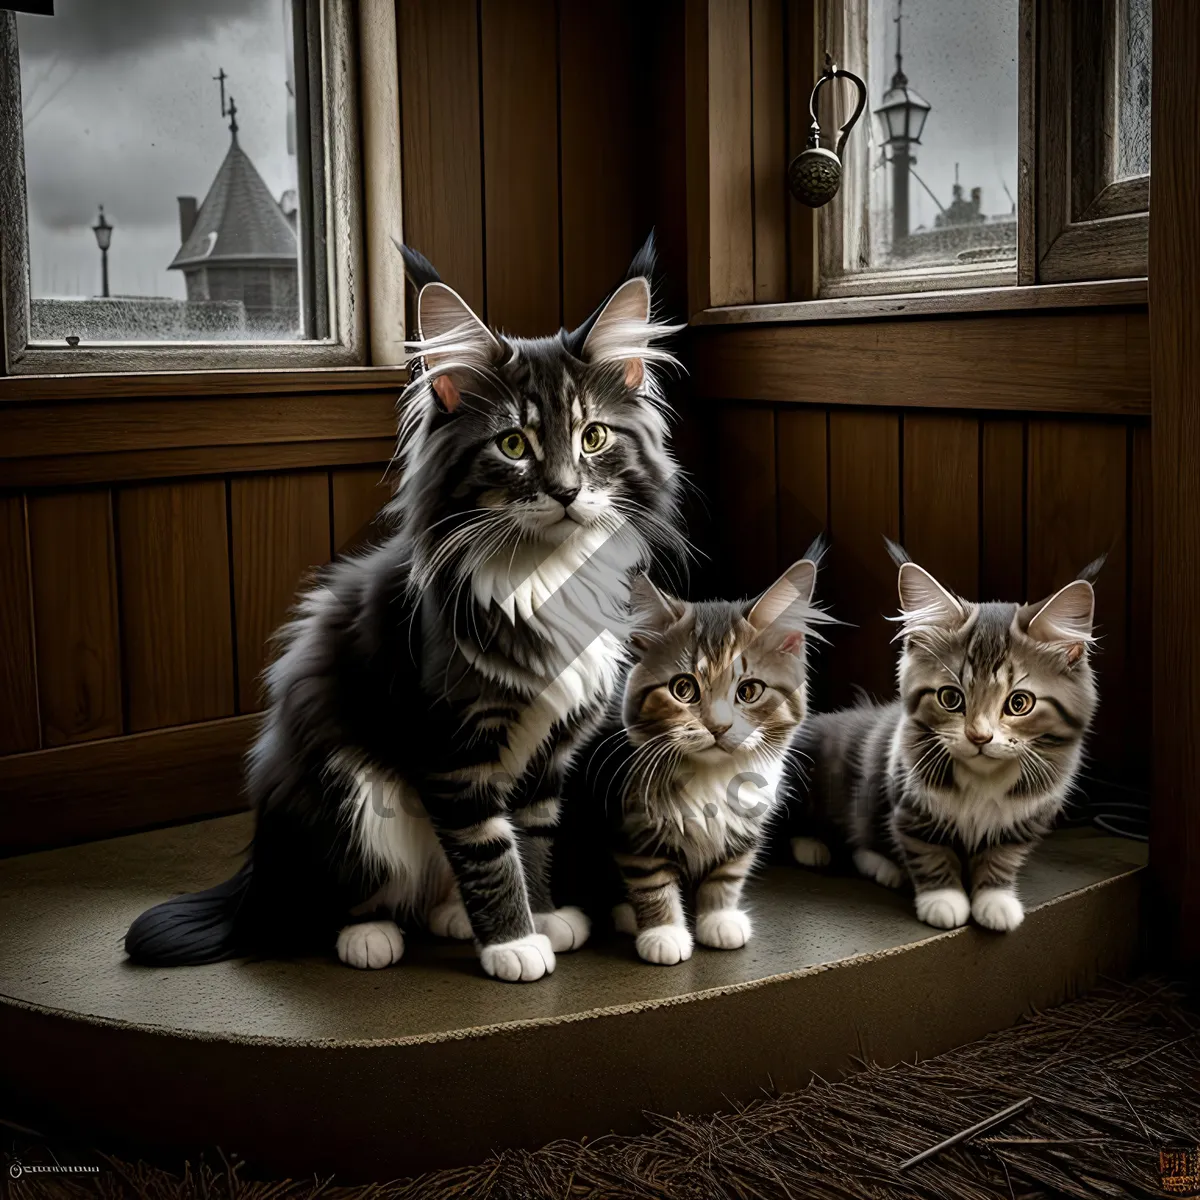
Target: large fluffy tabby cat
[430, 693]
[954, 782]
[691, 772]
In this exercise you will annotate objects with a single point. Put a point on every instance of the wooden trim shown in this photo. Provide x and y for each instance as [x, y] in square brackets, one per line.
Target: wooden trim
[118, 785]
[383, 219]
[1076, 362]
[803, 251]
[128, 465]
[697, 149]
[1102, 293]
[1027, 141]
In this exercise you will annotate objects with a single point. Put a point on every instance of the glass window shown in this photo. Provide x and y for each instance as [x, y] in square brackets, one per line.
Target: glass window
[1133, 90]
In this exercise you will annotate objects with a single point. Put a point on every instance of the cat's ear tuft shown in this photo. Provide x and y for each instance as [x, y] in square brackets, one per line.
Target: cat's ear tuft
[923, 601]
[785, 608]
[623, 330]
[1066, 619]
[654, 612]
[455, 344]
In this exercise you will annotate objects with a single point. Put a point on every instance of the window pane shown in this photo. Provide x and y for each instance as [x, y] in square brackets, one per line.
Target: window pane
[175, 119]
[1133, 111]
[943, 157]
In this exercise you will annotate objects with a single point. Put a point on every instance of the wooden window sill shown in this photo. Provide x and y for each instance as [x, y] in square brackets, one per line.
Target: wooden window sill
[1102, 293]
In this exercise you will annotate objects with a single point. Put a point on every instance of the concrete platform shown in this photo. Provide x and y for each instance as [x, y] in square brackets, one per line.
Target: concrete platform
[310, 1066]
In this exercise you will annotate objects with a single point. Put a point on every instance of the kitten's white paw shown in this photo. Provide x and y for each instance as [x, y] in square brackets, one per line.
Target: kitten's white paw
[665, 945]
[943, 908]
[567, 928]
[997, 908]
[450, 920]
[624, 919]
[370, 945]
[882, 870]
[725, 929]
[520, 961]
[809, 852]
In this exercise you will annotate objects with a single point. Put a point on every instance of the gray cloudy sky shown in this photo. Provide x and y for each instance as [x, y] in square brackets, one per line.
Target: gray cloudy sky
[121, 110]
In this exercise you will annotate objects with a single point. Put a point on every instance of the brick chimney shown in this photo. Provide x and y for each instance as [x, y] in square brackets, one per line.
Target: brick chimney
[187, 217]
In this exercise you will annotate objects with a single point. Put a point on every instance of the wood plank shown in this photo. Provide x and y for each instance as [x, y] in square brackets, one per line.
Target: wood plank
[745, 499]
[126, 465]
[1078, 508]
[802, 466]
[1083, 361]
[597, 88]
[1141, 606]
[177, 628]
[73, 562]
[696, 132]
[281, 531]
[768, 50]
[440, 130]
[730, 154]
[803, 253]
[357, 497]
[864, 506]
[520, 164]
[1002, 520]
[43, 430]
[941, 498]
[119, 785]
[19, 725]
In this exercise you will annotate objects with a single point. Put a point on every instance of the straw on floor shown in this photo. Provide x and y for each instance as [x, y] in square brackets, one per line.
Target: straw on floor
[1115, 1078]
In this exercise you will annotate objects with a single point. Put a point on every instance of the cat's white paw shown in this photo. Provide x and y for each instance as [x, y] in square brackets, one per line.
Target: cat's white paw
[665, 945]
[809, 852]
[520, 961]
[624, 919]
[725, 929]
[370, 945]
[997, 908]
[943, 908]
[450, 920]
[567, 928]
[882, 870]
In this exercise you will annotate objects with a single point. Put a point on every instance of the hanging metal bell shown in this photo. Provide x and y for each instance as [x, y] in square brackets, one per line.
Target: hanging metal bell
[815, 174]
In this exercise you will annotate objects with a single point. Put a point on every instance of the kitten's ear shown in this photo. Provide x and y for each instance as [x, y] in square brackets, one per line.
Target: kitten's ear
[654, 612]
[785, 607]
[924, 601]
[1066, 619]
[455, 344]
[623, 330]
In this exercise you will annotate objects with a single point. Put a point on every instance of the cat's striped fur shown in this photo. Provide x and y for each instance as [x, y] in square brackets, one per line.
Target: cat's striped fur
[954, 782]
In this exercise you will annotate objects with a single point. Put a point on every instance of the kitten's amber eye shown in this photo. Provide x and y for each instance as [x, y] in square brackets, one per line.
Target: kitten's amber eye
[512, 444]
[951, 699]
[1020, 704]
[595, 438]
[749, 690]
[685, 689]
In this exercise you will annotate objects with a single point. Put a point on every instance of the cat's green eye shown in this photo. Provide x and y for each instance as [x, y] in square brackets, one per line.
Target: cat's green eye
[595, 438]
[1020, 704]
[951, 699]
[685, 689]
[749, 690]
[512, 444]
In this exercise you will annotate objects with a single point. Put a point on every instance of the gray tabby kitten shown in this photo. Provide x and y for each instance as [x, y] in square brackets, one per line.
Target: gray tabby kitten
[955, 781]
[717, 691]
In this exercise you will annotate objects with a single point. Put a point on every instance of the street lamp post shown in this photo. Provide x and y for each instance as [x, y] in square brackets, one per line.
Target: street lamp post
[103, 231]
[902, 115]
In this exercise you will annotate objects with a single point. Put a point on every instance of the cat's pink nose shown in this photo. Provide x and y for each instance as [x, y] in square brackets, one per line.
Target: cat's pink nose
[978, 737]
[719, 730]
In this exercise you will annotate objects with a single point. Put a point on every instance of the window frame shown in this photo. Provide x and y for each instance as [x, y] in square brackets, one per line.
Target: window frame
[335, 174]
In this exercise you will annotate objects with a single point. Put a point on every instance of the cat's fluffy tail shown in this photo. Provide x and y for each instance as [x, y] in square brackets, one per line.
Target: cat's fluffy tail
[202, 927]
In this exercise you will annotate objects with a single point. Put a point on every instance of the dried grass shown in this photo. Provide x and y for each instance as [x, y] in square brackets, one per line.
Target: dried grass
[1115, 1076]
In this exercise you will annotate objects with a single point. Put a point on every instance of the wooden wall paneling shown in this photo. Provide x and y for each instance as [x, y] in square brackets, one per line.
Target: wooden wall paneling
[598, 97]
[1078, 508]
[1002, 517]
[280, 526]
[803, 255]
[520, 165]
[1141, 603]
[803, 481]
[441, 144]
[73, 563]
[177, 627]
[696, 139]
[940, 527]
[864, 506]
[768, 54]
[357, 496]
[19, 726]
[745, 498]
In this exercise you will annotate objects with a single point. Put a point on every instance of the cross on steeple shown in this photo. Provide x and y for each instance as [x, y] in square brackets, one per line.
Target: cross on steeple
[233, 125]
[220, 78]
